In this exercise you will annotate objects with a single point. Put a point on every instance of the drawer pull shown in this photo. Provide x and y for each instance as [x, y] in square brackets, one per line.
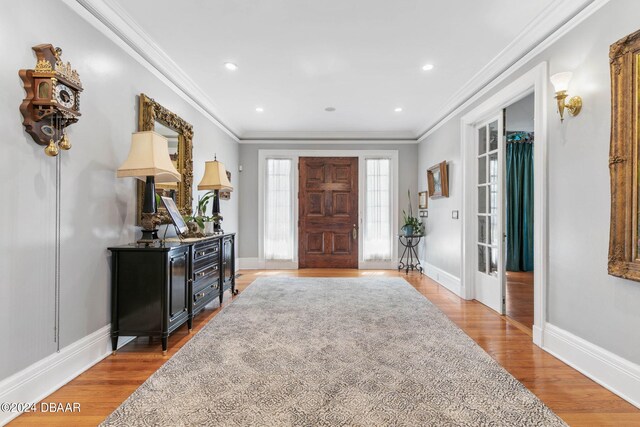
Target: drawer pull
[207, 271]
[206, 251]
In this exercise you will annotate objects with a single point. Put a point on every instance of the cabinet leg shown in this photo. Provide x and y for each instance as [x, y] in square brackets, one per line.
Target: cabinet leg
[190, 323]
[165, 342]
[114, 343]
[220, 297]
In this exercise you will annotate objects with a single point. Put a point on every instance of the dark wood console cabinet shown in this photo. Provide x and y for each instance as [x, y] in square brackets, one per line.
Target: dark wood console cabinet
[154, 290]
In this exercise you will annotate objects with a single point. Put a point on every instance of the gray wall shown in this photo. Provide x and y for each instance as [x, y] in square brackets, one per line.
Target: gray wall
[97, 208]
[582, 298]
[248, 243]
[519, 115]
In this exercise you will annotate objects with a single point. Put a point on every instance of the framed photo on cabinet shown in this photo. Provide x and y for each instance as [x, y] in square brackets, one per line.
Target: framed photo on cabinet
[438, 180]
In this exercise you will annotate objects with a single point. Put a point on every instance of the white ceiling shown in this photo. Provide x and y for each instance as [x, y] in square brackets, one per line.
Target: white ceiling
[363, 57]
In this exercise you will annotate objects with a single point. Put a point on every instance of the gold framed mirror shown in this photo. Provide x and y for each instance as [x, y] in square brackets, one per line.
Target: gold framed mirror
[624, 246]
[179, 134]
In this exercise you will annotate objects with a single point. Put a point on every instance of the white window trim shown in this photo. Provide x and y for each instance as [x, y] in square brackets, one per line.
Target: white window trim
[295, 155]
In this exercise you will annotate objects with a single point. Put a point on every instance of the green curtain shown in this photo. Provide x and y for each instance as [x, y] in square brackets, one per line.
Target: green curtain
[519, 206]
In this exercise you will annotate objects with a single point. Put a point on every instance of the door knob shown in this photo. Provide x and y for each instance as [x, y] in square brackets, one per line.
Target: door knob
[354, 232]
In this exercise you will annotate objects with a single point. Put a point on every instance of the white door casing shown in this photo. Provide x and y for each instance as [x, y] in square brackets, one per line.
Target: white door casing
[536, 81]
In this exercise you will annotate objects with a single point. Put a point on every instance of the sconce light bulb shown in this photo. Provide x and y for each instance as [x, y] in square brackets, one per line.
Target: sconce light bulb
[561, 81]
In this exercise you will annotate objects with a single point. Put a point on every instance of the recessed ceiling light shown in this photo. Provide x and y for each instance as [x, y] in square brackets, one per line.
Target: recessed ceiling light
[259, 109]
[427, 67]
[398, 109]
[330, 109]
[230, 66]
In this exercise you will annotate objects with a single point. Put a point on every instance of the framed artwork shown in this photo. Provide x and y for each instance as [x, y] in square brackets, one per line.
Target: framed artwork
[175, 215]
[423, 200]
[226, 195]
[438, 180]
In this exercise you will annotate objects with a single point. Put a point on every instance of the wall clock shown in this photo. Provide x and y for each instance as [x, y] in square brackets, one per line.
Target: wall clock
[52, 99]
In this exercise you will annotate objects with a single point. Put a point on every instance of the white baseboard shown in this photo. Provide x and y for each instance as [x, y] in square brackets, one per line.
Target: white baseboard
[378, 265]
[614, 373]
[538, 335]
[250, 264]
[447, 280]
[260, 264]
[39, 380]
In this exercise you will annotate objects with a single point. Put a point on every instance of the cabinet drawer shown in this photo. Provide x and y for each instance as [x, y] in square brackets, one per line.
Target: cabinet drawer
[206, 250]
[202, 284]
[206, 273]
[206, 294]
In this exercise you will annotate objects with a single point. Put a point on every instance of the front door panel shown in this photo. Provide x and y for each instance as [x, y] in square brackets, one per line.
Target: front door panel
[328, 209]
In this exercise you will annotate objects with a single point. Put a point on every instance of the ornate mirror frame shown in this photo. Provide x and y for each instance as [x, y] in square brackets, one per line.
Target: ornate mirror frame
[151, 112]
[624, 56]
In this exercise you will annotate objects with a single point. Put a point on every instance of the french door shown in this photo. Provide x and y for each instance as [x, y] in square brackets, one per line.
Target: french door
[489, 276]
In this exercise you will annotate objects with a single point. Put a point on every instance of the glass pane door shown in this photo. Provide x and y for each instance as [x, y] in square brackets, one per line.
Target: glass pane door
[489, 160]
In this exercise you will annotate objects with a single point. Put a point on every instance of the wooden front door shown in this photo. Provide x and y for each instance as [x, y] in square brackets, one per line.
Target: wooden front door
[328, 209]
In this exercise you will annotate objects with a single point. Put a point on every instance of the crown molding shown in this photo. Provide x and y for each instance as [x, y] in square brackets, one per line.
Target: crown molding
[551, 24]
[328, 141]
[110, 19]
[330, 137]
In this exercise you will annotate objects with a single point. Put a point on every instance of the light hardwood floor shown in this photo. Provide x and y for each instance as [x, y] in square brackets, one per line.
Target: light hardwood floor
[519, 294]
[574, 397]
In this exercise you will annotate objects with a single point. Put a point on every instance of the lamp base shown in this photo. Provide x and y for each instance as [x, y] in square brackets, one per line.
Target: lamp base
[149, 237]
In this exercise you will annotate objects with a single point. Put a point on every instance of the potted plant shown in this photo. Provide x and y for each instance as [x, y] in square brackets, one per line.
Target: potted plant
[412, 226]
[204, 222]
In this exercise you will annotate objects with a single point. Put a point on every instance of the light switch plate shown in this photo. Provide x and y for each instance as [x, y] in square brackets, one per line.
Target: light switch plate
[455, 214]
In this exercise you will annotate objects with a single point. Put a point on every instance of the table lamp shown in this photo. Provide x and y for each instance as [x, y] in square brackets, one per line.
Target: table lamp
[149, 159]
[215, 178]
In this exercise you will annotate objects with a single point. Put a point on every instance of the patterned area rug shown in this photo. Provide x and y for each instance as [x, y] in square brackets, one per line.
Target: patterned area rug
[331, 352]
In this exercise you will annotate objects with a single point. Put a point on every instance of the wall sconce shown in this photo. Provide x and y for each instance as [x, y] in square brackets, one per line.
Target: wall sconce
[560, 82]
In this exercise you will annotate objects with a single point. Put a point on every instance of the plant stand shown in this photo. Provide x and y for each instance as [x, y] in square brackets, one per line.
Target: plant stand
[409, 259]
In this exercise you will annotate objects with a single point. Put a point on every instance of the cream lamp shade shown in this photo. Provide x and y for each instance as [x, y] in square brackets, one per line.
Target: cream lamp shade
[149, 156]
[215, 177]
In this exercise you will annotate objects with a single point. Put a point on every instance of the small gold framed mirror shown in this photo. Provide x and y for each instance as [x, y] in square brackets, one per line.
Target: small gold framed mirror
[179, 134]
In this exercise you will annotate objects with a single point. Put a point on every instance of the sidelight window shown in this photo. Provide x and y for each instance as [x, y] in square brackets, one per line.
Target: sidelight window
[278, 210]
[377, 243]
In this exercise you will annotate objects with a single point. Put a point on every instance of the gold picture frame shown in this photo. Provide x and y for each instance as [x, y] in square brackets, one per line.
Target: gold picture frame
[438, 180]
[423, 200]
[624, 59]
